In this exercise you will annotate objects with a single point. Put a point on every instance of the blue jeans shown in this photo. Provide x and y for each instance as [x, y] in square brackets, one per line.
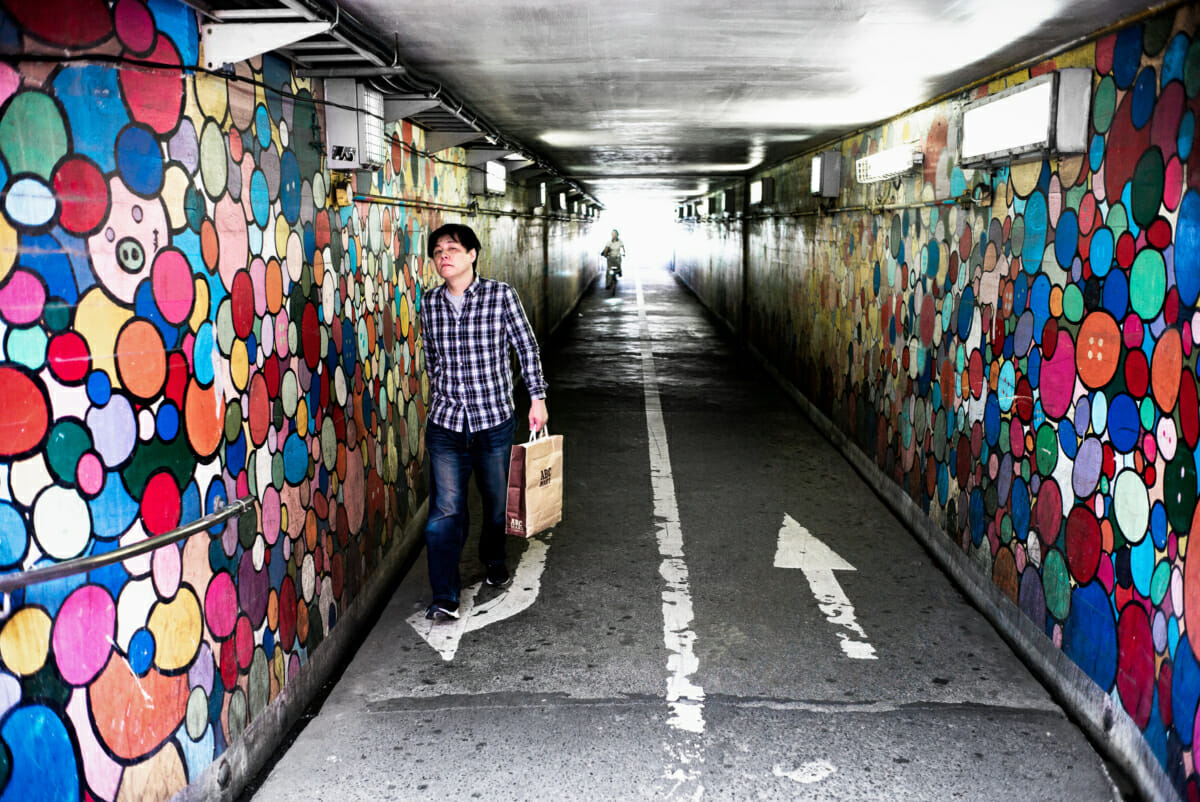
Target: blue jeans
[452, 458]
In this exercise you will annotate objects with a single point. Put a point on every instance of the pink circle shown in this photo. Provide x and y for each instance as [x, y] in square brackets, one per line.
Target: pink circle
[171, 281]
[155, 97]
[244, 642]
[220, 605]
[89, 474]
[83, 634]
[1150, 447]
[1057, 380]
[1173, 184]
[258, 280]
[167, 570]
[22, 298]
[271, 515]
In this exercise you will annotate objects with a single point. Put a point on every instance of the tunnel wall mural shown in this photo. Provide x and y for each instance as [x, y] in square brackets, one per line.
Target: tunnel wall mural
[185, 320]
[1026, 370]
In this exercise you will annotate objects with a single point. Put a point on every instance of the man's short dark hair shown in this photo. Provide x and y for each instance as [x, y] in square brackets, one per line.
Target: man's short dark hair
[461, 234]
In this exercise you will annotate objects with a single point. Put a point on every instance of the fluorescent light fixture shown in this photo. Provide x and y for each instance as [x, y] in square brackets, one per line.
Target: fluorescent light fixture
[491, 179]
[1047, 114]
[888, 163]
[755, 192]
[827, 174]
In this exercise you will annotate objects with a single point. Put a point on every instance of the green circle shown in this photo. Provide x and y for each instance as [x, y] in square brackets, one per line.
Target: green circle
[233, 420]
[1016, 236]
[214, 161]
[1160, 582]
[1146, 190]
[289, 390]
[259, 682]
[329, 444]
[1046, 449]
[57, 315]
[33, 135]
[1191, 69]
[1179, 490]
[1056, 582]
[1026, 471]
[1148, 414]
[237, 712]
[1073, 306]
[1104, 104]
[196, 717]
[1148, 284]
[1117, 220]
[895, 236]
[68, 441]
[1156, 31]
[277, 473]
[1006, 528]
[224, 326]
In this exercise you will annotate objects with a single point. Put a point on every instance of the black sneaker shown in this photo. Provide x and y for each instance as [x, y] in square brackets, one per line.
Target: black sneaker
[498, 576]
[442, 610]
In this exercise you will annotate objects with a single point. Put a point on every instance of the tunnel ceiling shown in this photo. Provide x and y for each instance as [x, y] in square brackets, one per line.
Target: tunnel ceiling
[673, 96]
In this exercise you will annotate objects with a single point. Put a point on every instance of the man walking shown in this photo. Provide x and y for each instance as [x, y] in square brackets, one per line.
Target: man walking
[468, 325]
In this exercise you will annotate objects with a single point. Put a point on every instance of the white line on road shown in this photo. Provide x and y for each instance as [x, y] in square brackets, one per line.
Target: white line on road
[685, 697]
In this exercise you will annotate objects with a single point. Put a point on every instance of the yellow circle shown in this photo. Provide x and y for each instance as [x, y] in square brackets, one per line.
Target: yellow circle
[200, 306]
[177, 627]
[239, 364]
[283, 233]
[1056, 299]
[404, 313]
[302, 417]
[25, 641]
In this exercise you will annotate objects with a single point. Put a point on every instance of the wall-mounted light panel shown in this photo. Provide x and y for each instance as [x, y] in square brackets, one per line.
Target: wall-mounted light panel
[888, 163]
[827, 174]
[762, 191]
[354, 126]
[1048, 114]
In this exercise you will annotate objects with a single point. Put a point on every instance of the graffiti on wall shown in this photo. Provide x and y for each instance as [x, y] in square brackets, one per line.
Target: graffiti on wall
[1026, 370]
[185, 320]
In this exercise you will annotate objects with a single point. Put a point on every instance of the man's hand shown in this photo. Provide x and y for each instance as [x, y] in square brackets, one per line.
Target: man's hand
[537, 414]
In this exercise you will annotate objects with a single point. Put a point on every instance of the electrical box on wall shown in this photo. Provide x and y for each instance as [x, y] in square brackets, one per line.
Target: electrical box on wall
[354, 137]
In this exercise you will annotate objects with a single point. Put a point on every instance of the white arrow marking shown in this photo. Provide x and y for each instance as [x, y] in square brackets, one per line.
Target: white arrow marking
[444, 636]
[799, 549]
[809, 773]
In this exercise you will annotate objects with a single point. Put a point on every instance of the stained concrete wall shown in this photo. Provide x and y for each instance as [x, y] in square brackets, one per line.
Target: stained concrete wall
[186, 318]
[1014, 356]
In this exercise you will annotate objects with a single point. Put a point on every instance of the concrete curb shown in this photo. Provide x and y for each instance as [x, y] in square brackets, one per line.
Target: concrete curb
[227, 776]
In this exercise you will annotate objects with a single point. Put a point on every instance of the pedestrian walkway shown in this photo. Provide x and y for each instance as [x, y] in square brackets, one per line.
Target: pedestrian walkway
[726, 613]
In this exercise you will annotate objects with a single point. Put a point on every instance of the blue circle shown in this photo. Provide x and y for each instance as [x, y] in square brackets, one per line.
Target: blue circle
[202, 348]
[1020, 508]
[1185, 689]
[976, 517]
[139, 160]
[260, 198]
[1083, 415]
[99, 388]
[1127, 57]
[1096, 152]
[1116, 294]
[290, 187]
[991, 419]
[141, 652]
[1036, 221]
[1187, 249]
[1158, 524]
[262, 126]
[1090, 634]
[1124, 423]
[1145, 91]
[295, 459]
[934, 258]
[1068, 442]
[1066, 237]
[1187, 132]
[36, 735]
[1100, 253]
[1039, 304]
[167, 421]
[235, 453]
[16, 537]
[966, 311]
[1175, 59]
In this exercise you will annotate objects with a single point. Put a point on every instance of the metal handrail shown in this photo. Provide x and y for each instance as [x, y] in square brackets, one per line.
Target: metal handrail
[79, 565]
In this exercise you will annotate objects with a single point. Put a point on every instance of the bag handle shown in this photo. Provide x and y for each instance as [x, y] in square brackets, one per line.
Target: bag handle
[539, 434]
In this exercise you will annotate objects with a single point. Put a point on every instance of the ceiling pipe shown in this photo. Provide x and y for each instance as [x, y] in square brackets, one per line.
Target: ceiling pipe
[368, 44]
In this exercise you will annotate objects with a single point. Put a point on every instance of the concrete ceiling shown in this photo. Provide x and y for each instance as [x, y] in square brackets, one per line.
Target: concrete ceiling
[673, 96]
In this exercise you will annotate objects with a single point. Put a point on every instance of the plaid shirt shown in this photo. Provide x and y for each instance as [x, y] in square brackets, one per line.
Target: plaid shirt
[467, 358]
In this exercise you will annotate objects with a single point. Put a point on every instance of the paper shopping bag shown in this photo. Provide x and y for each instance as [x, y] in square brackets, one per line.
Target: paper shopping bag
[535, 485]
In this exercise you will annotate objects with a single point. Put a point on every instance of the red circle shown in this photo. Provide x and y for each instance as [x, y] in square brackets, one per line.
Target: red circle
[287, 614]
[1137, 373]
[976, 373]
[25, 413]
[134, 25]
[1048, 512]
[160, 504]
[310, 336]
[259, 410]
[1159, 234]
[68, 357]
[1189, 409]
[1083, 544]
[229, 670]
[1126, 249]
[243, 638]
[241, 296]
[1135, 655]
[83, 193]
